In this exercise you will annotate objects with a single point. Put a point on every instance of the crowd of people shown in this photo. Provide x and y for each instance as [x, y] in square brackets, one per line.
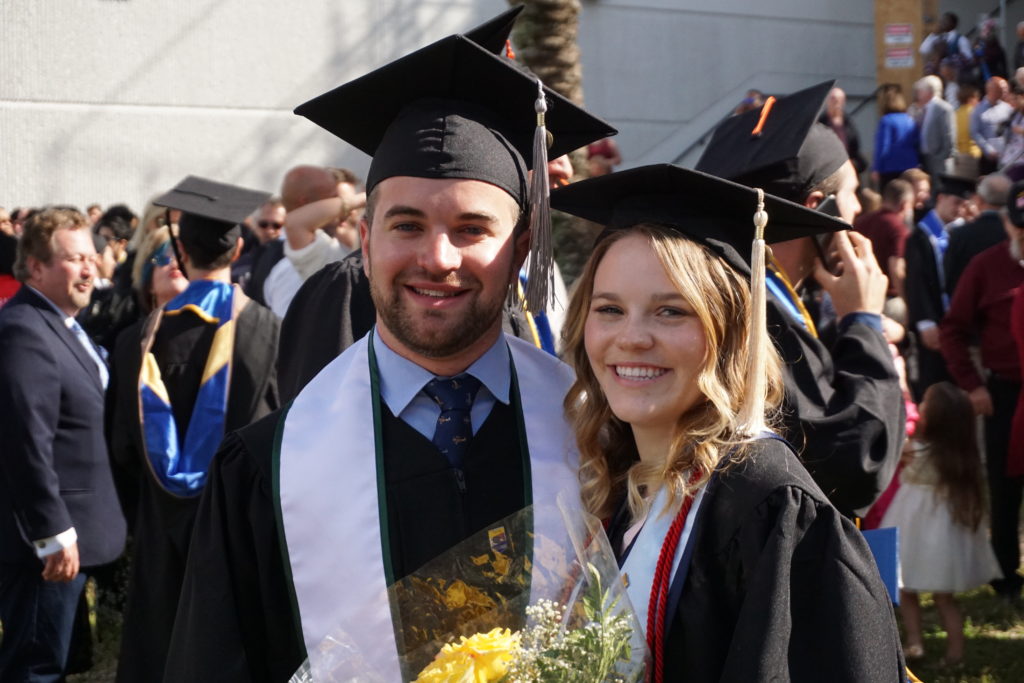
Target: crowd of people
[963, 116]
[291, 402]
[946, 230]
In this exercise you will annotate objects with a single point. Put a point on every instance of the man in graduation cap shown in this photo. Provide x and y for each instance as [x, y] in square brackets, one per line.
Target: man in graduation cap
[182, 377]
[431, 428]
[333, 308]
[843, 406]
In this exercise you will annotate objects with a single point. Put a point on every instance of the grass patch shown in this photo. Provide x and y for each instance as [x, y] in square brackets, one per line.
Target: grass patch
[995, 641]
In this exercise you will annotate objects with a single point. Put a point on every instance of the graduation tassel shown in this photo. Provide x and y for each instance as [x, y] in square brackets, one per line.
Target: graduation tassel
[539, 279]
[751, 418]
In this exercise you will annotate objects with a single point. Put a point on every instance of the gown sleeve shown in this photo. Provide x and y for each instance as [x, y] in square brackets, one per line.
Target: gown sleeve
[844, 409]
[814, 601]
[785, 590]
[235, 620]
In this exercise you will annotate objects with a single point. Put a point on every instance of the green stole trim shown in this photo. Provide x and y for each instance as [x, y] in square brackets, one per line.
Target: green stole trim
[275, 465]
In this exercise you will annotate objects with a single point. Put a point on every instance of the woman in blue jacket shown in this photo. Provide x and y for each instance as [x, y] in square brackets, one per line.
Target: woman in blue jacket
[896, 139]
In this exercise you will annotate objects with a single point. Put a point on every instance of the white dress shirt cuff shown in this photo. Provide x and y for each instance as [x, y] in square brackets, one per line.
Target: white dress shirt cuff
[48, 546]
[923, 325]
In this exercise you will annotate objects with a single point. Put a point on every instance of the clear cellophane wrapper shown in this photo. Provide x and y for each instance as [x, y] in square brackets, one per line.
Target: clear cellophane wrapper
[554, 556]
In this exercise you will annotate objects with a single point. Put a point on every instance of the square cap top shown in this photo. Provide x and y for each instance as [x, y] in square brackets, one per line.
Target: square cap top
[714, 212]
[452, 109]
[211, 213]
[493, 33]
[228, 204]
[790, 154]
[965, 188]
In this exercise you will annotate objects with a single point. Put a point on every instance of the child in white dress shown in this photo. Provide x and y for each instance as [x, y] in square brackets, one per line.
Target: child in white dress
[939, 509]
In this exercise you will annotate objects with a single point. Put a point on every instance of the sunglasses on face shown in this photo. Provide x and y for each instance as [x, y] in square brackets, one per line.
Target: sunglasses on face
[270, 225]
[163, 259]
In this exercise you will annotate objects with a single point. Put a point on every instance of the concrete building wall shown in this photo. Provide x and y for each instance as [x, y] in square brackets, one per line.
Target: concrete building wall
[670, 69]
[115, 100]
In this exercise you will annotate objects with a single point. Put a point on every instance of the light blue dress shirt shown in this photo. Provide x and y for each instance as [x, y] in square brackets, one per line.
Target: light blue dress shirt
[402, 382]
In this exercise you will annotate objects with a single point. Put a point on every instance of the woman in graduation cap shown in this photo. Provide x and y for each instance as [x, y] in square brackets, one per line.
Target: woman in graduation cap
[736, 562]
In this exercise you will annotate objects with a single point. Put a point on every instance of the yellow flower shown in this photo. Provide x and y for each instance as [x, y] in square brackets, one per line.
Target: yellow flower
[481, 658]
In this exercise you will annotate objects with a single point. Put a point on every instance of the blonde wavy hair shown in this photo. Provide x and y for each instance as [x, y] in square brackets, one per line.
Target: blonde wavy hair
[704, 435]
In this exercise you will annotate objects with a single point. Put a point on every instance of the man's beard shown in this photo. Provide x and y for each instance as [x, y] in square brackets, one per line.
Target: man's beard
[457, 333]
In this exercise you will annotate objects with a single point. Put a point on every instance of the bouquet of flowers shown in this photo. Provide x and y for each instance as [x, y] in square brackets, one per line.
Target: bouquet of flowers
[537, 597]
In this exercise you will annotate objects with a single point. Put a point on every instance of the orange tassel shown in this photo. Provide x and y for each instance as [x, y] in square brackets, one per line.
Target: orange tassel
[508, 50]
[765, 110]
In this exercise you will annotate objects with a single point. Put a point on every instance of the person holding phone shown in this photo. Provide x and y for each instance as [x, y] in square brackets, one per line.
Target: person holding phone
[843, 405]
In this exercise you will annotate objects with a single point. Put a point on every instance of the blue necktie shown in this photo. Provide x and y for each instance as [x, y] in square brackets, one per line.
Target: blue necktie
[454, 395]
[87, 344]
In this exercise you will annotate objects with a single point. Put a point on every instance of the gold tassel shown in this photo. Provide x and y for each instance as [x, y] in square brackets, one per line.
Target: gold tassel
[751, 418]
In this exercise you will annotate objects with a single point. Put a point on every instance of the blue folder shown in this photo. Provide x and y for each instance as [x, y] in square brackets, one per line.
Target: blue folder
[885, 546]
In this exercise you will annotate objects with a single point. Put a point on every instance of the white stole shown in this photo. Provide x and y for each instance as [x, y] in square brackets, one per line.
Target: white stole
[643, 557]
[329, 498]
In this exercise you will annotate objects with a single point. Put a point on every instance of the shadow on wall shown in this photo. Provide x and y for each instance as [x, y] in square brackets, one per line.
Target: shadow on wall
[278, 139]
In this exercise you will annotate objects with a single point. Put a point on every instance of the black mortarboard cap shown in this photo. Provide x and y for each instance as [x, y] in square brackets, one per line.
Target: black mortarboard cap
[451, 110]
[964, 188]
[493, 33]
[211, 213]
[789, 155]
[714, 212]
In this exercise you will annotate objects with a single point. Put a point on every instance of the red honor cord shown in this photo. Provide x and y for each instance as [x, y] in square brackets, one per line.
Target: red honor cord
[658, 603]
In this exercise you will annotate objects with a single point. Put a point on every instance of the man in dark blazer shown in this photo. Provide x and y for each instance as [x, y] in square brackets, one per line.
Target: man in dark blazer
[925, 294]
[983, 232]
[58, 508]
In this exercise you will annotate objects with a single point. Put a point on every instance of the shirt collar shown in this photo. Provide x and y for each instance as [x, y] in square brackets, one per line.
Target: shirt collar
[68, 320]
[401, 379]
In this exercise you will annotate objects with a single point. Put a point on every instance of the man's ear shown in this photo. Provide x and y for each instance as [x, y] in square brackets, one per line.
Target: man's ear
[364, 243]
[814, 199]
[521, 248]
[238, 249]
[35, 267]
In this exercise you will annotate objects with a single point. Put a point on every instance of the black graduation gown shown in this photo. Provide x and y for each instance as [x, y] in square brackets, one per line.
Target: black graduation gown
[780, 586]
[924, 291]
[235, 618]
[330, 312]
[843, 411]
[161, 521]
